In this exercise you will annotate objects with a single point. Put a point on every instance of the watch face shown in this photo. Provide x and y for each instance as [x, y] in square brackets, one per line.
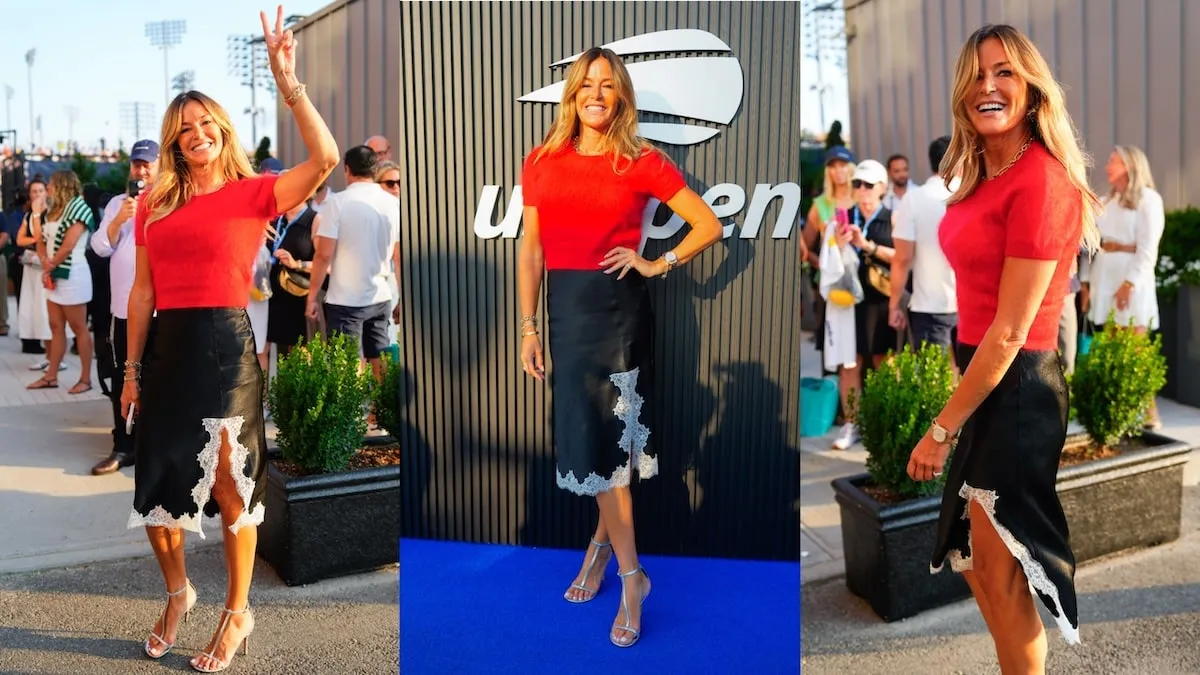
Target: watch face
[939, 435]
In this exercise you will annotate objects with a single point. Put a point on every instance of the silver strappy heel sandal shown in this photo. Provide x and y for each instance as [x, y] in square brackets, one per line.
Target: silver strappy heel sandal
[588, 572]
[162, 620]
[225, 623]
[625, 606]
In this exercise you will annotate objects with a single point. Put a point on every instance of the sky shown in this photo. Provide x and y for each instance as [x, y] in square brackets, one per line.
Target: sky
[95, 55]
[837, 98]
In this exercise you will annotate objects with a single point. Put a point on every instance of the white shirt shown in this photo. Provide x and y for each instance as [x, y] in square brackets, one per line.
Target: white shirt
[917, 219]
[123, 254]
[364, 220]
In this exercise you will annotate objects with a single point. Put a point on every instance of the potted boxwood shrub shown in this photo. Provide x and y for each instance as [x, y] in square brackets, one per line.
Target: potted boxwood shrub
[889, 521]
[333, 502]
[1120, 487]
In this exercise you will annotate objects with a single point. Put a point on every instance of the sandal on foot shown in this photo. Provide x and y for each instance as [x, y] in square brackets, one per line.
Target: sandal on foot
[587, 572]
[87, 386]
[625, 606]
[162, 620]
[224, 625]
[43, 383]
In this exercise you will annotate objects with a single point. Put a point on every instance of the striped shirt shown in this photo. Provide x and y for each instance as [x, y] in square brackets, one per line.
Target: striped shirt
[76, 211]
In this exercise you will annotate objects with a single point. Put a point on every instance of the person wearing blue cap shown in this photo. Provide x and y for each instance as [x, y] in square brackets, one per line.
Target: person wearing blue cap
[114, 240]
[835, 194]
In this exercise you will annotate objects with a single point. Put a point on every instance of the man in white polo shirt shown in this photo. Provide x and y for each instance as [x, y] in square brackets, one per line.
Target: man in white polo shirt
[933, 308]
[357, 243]
[114, 239]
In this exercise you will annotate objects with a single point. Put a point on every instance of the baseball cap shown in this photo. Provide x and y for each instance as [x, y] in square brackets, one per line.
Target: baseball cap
[870, 171]
[838, 152]
[270, 165]
[144, 150]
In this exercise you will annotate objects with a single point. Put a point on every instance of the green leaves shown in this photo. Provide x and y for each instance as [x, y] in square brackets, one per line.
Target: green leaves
[897, 406]
[317, 403]
[386, 397]
[1116, 381]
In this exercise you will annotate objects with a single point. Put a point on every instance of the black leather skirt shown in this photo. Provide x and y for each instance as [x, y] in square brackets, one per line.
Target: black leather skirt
[601, 342]
[1007, 461]
[200, 378]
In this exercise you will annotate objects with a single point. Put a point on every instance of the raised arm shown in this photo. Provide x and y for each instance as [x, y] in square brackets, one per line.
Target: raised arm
[295, 186]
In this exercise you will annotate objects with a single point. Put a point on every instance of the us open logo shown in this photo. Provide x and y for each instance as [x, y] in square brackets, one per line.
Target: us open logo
[669, 86]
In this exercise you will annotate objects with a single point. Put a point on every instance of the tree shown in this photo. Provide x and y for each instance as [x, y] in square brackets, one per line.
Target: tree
[835, 135]
[84, 168]
[263, 152]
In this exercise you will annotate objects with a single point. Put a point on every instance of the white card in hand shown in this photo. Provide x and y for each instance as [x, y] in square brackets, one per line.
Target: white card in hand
[129, 419]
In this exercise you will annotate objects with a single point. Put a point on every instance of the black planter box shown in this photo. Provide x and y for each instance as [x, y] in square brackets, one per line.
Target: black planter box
[330, 525]
[1111, 505]
[1124, 502]
[887, 551]
[1187, 346]
[1168, 328]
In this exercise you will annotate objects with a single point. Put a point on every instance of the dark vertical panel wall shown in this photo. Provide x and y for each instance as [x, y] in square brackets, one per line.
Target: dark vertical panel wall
[479, 461]
[1125, 65]
[349, 58]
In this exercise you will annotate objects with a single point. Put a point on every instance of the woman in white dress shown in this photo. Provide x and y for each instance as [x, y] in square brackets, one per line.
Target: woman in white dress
[1121, 278]
[66, 275]
[33, 319]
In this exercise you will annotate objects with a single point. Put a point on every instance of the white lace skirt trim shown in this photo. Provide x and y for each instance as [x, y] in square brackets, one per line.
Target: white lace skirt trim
[202, 491]
[628, 409]
[1035, 574]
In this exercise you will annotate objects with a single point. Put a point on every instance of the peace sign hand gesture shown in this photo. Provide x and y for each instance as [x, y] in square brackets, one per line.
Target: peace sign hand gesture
[281, 47]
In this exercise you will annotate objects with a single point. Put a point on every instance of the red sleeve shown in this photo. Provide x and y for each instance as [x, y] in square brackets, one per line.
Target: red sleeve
[139, 223]
[529, 180]
[260, 194]
[660, 177]
[1044, 213]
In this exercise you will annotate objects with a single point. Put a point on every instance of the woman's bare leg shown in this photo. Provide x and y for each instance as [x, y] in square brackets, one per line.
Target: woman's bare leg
[603, 556]
[616, 508]
[239, 560]
[76, 316]
[57, 349]
[167, 545]
[1015, 625]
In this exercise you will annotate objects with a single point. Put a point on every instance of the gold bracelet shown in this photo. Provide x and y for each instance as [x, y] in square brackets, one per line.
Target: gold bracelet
[293, 97]
[529, 333]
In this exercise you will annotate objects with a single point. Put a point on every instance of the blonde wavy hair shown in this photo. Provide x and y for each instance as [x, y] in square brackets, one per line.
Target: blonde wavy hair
[1048, 120]
[827, 189]
[66, 186]
[1138, 168]
[621, 139]
[174, 187]
[385, 167]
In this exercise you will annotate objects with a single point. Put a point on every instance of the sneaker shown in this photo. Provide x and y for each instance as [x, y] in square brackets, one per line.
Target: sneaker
[848, 437]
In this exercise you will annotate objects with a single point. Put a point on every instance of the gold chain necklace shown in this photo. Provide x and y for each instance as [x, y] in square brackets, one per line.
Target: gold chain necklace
[575, 142]
[1012, 161]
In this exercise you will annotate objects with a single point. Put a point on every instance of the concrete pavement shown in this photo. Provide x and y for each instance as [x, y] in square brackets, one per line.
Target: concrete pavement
[1140, 611]
[79, 591]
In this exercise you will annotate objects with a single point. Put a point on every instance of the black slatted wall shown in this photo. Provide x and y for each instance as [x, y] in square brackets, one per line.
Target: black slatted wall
[478, 456]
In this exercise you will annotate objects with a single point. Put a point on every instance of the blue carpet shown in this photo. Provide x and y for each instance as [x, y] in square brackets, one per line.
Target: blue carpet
[476, 608]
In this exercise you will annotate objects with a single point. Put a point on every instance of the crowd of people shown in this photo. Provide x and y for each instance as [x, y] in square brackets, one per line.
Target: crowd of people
[874, 222]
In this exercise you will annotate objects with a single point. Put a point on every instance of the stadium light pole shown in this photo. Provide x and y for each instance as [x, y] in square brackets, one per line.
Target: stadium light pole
[166, 34]
[29, 56]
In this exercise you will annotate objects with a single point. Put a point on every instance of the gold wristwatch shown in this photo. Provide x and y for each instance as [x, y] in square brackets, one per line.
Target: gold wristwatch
[672, 262]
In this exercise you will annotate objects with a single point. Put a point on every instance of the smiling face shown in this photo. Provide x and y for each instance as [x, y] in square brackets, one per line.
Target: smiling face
[867, 196]
[596, 100]
[1000, 98]
[200, 139]
[839, 172]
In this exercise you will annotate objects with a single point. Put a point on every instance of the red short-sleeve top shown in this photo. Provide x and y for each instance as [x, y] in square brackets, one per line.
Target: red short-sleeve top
[585, 208]
[1031, 211]
[202, 254]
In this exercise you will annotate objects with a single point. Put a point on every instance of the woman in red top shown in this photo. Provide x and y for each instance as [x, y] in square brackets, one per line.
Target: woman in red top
[1010, 232]
[584, 191]
[202, 443]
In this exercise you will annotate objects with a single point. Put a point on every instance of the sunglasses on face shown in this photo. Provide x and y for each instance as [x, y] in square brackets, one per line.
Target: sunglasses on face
[856, 184]
[392, 184]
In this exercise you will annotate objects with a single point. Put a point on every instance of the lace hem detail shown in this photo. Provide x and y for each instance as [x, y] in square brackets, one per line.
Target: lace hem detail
[238, 454]
[202, 491]
[1035, 574]
[628, 409]
[160, 517]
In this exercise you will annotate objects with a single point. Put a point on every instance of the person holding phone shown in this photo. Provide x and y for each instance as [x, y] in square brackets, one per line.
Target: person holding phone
[114, 240]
